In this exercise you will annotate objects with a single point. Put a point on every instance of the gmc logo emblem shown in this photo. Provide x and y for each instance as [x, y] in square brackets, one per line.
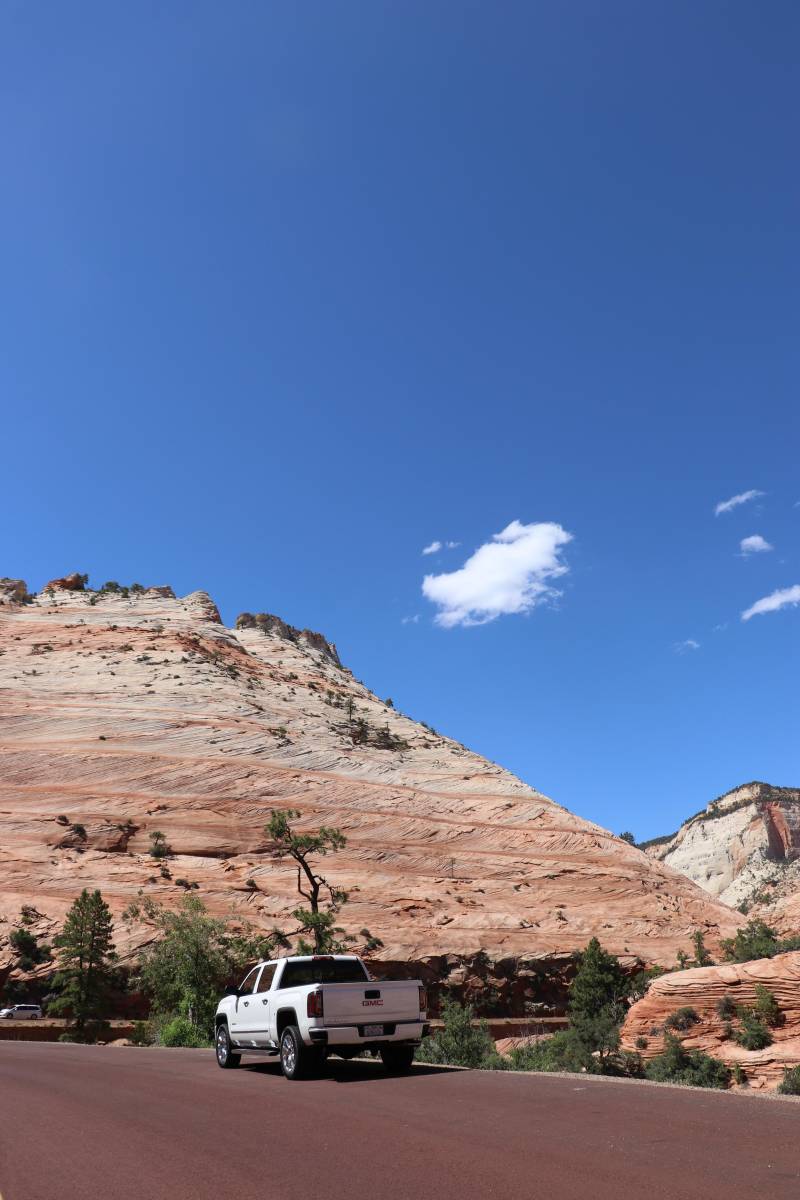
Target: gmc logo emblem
[371, 1003]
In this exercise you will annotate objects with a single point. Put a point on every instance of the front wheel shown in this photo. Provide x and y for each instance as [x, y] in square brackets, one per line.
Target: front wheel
[397, 1059]
[225, 1056]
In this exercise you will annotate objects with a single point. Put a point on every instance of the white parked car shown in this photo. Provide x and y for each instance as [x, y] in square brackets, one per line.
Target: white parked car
[303, 1008]
[21, 1012]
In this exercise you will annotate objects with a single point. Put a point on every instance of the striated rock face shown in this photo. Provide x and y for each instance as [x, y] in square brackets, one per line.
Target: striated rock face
[741, 843]
[702, 989]
[126, 715]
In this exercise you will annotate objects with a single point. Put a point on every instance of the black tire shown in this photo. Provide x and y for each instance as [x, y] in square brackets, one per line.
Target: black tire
[297, 1060]
[397, 1059]
[225, 1055]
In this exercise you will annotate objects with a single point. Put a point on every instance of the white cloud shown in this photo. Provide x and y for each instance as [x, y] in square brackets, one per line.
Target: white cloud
[509, 574]
[452, 545]
[684, 647]
[755, 544]
[410, 620]
[773, 602]
[734, 502]
[434, 548]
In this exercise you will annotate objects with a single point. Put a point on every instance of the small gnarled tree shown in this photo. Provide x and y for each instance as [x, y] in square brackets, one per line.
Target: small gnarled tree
[324, 899]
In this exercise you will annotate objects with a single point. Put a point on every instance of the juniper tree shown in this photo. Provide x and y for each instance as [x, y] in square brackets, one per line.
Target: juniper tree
[324, 898]
[86, 954]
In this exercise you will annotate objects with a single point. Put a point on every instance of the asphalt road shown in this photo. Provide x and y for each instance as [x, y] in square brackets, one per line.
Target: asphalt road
[86, 1123]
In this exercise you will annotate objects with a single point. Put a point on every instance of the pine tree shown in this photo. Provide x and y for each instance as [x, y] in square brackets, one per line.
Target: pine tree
[597, 1000]
[86, 953]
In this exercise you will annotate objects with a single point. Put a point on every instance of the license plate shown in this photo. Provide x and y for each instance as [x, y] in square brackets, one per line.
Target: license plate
[373, 1031]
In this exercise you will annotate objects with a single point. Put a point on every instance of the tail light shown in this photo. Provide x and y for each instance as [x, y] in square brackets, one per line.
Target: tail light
[423, 1000]
[314, 1004]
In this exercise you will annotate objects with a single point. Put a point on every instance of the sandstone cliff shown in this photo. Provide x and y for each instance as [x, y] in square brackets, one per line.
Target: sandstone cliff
[127, 714]
[744, 848]
[702, 989]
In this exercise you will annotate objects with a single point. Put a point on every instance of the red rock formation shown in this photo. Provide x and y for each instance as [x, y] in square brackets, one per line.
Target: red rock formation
[134, 714]
[702, 988]
[781, 817]
[69, 583]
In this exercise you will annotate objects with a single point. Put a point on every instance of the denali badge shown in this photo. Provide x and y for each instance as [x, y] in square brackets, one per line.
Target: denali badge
[371, 1003]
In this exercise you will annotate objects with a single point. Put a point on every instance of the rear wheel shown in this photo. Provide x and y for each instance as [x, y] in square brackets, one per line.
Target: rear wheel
[297, 1060]
[225, 1056]
[397, 1059]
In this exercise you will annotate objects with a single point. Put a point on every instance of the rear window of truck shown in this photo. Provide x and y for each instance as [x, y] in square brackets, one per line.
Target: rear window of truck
[296, 974]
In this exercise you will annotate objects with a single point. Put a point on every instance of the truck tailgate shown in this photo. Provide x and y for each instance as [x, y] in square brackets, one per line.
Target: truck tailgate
[355, 1003]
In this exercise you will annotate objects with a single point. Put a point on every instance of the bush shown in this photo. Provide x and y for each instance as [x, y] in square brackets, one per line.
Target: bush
[564, 1051]
[142, 1034]
[181, 1032]
[791, 1082]
[753, 1034]
[159, 847]
[641, 1043]
[459, 1043]
[689, 1067]
[726, 1008]
[683, 1019]
[766, 1006]
[756, 940]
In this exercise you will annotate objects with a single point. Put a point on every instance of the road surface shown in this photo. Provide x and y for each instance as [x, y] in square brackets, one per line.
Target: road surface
[86, 1123]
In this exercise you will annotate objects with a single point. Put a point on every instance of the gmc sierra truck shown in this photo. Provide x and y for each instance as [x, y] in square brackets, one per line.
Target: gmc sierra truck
[302, 1009]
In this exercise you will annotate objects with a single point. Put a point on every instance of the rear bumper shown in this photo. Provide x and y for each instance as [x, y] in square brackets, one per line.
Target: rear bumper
[354, 1035]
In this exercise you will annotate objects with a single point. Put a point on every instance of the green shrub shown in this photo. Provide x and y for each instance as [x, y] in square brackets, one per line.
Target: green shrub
[181, 1032]
[159, 847]
[726, 1008]
[766, 1006]
[790, 1085]
[641, 1043]
[757, 940]
[563, 1051]
[459, 1043]
[753, 1034]
[143, 1034]
[682, 1019]
[701, 956]
[690, 1067]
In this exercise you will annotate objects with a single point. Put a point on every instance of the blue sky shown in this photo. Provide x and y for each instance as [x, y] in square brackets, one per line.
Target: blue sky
[290, 292]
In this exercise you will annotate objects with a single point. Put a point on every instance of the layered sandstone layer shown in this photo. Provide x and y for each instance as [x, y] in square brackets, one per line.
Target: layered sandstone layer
[702, 989]
[127, 715]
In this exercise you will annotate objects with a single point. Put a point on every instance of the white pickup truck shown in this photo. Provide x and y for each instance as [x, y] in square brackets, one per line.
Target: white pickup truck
[304, 1008]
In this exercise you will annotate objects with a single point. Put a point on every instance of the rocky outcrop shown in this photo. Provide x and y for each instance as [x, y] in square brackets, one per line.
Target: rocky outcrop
[68, 583]
[742, 842]
[127, 714]
[13, 591]
[268, 623]
[703, 989]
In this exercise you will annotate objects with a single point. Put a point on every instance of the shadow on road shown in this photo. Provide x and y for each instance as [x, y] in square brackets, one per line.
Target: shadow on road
[336, 1070]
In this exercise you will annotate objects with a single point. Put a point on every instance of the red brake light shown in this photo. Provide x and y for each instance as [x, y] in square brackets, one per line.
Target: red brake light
[314, 1004]
[423, 1000]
